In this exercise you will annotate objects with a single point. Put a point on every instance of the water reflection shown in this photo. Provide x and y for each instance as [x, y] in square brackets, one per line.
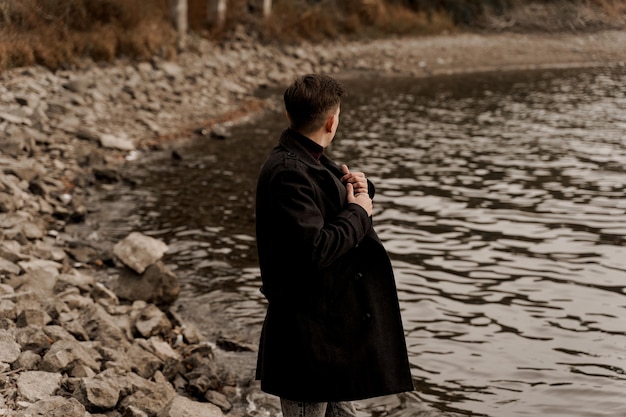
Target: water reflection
[500, 198]
[502, 203]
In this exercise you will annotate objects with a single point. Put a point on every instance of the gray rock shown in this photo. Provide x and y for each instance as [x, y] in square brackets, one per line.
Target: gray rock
[114, 359]
[156, 285]
[102, 327]
[11, 250]
[9, 349]
[163, 350]
[32, 230]
[7, 203]
[42, 273]
[76, 329]
[75, 278]
[15, 146]
[26, 169]
[202, 380]
[152, 322]
[181, 406]
[72, 297]
[6, 290]
[39, 188]
[172, 71]
[233, 87]
[189, 332]
[44, 250]
[33, 317]
[55, 333]
[8, 267]
[119, 142]
[104, 295]
[220, 132]
[132, 411]
[15, 119]
[106, 175]
[88, 135]
[28, 360]
[12, 220]
[37, 385]
[55, 407]
[63, 354]
[32, 338]
[144, 363]
[28, 100]
[8, 310]
[78, 85]
[138, 251]
[67, 123]
[82, 371]
[232, 345]
[219, 399]
[96, 393]
[148, 396]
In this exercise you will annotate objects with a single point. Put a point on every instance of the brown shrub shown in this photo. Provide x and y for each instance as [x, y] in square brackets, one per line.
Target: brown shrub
[99, 44]
[148, 39]
[614, 9]
[55, 33]
[14, 52]
[557, 15]
[352, 18]
[400, 20]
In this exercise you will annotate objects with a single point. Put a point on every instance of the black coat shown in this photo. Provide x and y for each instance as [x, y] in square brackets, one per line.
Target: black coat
[333, 330]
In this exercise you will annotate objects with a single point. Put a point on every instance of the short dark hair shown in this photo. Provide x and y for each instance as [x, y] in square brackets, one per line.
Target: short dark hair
[310, 99]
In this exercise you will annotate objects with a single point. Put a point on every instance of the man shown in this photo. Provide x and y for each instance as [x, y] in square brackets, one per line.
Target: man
[333, 332]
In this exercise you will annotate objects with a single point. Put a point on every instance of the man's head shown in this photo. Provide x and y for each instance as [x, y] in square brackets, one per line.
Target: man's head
[311, 100]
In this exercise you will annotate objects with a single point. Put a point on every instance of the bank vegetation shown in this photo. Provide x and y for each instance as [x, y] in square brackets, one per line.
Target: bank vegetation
[57, 34]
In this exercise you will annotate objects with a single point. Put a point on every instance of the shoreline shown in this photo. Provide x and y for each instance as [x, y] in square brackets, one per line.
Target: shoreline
[68, 133]
[427, 56]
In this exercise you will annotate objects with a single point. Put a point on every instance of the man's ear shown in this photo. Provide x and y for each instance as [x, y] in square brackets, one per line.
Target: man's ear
[329, 123]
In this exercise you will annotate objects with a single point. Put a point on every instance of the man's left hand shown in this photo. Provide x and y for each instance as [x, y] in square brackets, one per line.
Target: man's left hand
[357, 179]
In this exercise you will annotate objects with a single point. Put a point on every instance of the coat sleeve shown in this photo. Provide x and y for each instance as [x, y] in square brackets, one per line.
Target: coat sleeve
[313, 229]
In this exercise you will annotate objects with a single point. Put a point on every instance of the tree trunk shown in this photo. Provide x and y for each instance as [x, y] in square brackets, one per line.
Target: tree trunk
[267, 8]
[178, 11]
[216, 12]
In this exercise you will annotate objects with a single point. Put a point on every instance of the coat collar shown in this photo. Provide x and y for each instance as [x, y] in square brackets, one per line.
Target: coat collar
[292, 141]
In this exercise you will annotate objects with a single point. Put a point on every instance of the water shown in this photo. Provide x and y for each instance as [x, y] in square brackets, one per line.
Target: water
[501, 200]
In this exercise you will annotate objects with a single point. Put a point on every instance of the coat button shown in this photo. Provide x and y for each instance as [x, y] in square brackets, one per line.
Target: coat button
[358, 276]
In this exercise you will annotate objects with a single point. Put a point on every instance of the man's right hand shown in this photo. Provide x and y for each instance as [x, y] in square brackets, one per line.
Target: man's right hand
[362, 199]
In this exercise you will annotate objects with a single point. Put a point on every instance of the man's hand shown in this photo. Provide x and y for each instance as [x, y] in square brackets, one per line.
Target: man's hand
[357, 179]
[356, 185]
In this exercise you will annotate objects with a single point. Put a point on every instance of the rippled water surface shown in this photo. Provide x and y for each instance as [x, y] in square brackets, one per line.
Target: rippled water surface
[501, 200]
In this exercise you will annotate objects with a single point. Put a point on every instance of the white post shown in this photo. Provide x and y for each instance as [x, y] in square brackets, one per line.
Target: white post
[5, 8]
[267, 8]
[216, 12]
[178, 11]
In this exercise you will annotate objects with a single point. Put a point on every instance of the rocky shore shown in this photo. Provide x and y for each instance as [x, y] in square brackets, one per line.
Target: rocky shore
[73, 344]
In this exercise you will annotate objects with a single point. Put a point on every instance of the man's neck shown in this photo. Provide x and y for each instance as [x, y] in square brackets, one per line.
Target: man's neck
[321, 137]
[314, 148]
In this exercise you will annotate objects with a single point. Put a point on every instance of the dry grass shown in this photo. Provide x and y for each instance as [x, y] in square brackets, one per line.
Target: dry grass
[329, 19]
[57, 33]
[559, 15]
[615, 9]
[400, 20]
